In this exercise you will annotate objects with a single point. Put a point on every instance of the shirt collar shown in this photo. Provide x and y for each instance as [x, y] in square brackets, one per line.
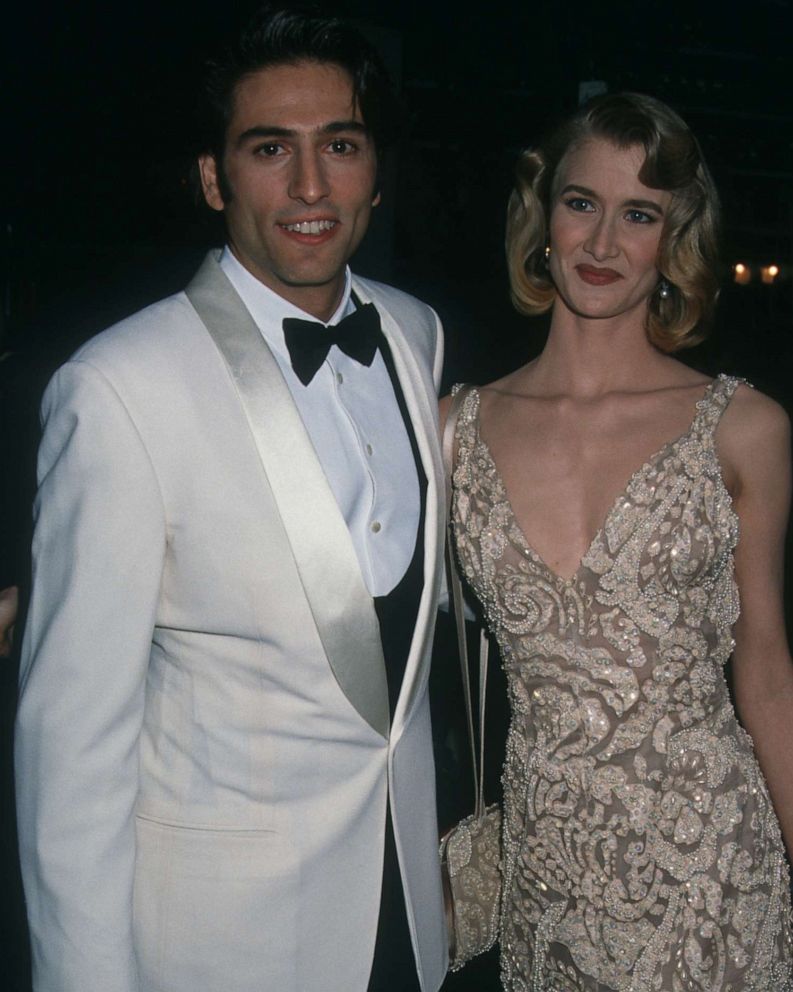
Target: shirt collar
[268, 309]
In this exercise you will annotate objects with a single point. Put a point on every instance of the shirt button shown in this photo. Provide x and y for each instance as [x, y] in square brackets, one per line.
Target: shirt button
[375, 526]
[339, 378]
[369, 449]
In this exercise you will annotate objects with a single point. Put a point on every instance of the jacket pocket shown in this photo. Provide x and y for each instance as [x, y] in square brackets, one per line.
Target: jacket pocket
[214, 909]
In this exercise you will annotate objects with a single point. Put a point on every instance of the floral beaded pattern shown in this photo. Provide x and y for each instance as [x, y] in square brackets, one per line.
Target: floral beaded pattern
[641, 851]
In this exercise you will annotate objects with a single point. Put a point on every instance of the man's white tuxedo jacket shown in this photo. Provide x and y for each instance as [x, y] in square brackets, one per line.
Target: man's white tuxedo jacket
[204, 753]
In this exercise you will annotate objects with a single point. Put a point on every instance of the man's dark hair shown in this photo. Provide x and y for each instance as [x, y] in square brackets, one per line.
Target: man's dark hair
[284, 37]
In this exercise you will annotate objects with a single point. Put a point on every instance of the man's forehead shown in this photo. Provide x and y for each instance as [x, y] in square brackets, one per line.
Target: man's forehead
[305, 94]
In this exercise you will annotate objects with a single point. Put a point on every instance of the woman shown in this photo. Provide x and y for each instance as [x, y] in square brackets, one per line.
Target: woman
[599, 492]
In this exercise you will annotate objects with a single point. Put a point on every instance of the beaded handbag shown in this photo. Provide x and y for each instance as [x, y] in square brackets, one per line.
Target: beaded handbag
[471, 851]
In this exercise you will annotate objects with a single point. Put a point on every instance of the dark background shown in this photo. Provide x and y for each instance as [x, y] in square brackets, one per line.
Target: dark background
[97, 217]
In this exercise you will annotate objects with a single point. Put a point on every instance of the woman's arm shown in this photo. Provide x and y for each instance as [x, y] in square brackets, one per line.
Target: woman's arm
[754, 442]
[443, 409]
[9, 604]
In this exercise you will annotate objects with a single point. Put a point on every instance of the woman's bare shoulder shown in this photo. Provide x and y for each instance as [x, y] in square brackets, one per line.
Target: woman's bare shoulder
[753, 417]
[753, 438]
[501, 394]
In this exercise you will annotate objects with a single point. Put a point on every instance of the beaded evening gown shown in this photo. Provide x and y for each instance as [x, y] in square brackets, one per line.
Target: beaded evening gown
[640, 851]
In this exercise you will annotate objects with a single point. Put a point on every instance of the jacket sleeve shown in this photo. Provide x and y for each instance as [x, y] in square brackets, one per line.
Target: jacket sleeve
[97, 563]
[437, 368]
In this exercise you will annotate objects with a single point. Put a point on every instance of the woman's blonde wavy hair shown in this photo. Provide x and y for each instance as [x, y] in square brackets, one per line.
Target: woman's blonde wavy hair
[687, 254]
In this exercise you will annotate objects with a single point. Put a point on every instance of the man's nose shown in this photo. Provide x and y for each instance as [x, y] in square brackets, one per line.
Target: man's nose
[308, 181]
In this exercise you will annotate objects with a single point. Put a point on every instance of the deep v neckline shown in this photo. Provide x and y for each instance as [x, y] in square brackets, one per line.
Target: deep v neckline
[657, 457]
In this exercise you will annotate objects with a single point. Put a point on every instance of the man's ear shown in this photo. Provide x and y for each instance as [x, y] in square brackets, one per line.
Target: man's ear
[208, 169]
[376, 199]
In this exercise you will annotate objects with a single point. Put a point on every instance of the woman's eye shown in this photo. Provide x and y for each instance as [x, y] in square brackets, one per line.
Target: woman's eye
[580, 204]
[640, 217]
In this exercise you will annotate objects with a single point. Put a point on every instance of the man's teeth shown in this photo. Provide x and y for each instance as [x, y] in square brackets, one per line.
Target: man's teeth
[311, 226]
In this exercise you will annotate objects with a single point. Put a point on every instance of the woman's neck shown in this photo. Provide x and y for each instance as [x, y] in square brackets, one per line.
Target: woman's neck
[587, 357]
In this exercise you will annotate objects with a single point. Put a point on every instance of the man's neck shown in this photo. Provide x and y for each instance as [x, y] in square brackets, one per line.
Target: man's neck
[322, 305]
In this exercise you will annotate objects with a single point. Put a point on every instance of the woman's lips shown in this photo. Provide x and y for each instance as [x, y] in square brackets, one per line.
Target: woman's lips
[596, 276]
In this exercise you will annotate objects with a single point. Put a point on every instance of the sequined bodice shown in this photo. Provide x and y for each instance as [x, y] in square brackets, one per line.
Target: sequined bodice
[640, 848]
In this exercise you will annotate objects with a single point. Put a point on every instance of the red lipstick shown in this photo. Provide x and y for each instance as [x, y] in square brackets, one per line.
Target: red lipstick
[597, 276]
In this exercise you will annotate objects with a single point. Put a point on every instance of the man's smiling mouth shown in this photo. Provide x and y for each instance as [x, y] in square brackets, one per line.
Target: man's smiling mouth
[310, 226]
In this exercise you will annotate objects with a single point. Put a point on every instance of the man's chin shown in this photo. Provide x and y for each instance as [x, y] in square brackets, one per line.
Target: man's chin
[312, 277]
[312, 282]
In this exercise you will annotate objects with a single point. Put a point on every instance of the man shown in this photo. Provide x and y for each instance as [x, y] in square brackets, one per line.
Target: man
[223, 719]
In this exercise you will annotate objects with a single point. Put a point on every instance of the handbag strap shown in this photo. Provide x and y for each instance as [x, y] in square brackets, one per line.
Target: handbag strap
[456, 589]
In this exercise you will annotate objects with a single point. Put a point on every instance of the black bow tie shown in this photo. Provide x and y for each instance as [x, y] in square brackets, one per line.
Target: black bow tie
[309, 342]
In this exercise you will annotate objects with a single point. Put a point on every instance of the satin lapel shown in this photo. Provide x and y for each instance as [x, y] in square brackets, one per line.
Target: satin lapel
[323, 551]
[422, 407]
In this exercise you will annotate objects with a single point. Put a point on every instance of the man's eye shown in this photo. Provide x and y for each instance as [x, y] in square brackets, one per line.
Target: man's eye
[341, 146]
[269, 149]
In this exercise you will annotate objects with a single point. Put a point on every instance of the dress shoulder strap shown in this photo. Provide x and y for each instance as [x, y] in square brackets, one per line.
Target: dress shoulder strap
[715, 401]
[465, 407]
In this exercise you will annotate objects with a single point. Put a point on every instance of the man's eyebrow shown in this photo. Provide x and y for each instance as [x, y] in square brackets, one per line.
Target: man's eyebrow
[591, 194]
[335, 127]
[264, 131]
[275, 131]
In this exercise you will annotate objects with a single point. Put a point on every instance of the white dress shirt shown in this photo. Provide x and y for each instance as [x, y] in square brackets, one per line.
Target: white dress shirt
[353, 420]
